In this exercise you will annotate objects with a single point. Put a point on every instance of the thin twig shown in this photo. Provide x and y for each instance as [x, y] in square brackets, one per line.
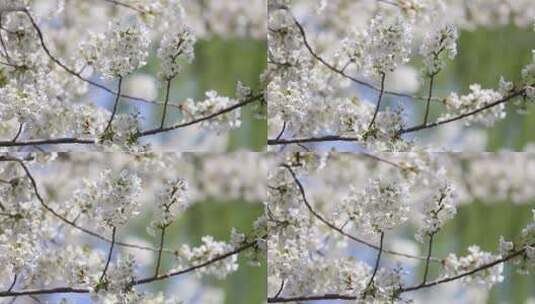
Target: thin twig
[381, 92]
[67, 221]
[21, 124]
[327, 138]
[55, 141]
[282, 131]
[429, 251]
[377, 261]
[13, 283]
[429, 96]
[403, 290]
[338, 71]
[160, 249]
[115, 105]
[119, 3]
[103, 275]
[281, 288]
[464, 115]
[342, 232]
[168, 88]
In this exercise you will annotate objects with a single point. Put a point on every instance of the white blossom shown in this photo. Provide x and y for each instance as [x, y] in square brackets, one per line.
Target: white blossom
[176, 46]
[381, 206]
[441, 41]
[211, 105]
[436, 211]
[209, 249]
[477, 99]
[122, 49]
[172, 201]
[455, 265]
[112, 199]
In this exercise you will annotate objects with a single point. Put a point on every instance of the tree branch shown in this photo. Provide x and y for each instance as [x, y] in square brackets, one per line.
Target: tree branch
[377, 261]
[67, 140]
[103, 275]
[342, 232]
[168, 88]
[116, 103]
[402, 290]
[429, 251]
[65, 220]
[429, 96]
[160, 249]
[381, 92]
[341, 72]
[464, 115]
[134, 283]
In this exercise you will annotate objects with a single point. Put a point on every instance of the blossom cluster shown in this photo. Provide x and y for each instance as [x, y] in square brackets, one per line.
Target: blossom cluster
[331, 73]
[176, 46]
[118, 52]
[66, 221]
[380, 207]
[52, 52]
[325, 209]
[111, 200]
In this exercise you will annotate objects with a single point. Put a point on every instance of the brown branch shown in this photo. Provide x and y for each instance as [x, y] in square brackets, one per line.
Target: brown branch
[467, 273]
[138, 282]
[198, 120]
[464, 115]
[13, 283]
[281, 288]
[110, 253]
[168, 88]
[71, 71]
[115, 105]
[429, 96]
[160, 249]
[381, 92]
[402, 290]
[64, 219]
[342, 232]
[126, 5]
[327, 138]
[190, 269]
[21, 124]
[332, 138]
[429, 251]
[341, 72]
[377, 261]
[67, 140]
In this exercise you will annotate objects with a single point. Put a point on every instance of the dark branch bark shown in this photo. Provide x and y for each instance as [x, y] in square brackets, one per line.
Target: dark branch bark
[381, 92]
[167, 92]
[377, 262]
[110, 253]
[429, 252]
[160, 250]
[342, 232]
[429, 96]
[115, 105]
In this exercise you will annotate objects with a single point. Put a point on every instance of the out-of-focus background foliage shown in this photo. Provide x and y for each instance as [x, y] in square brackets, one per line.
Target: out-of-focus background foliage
[215, 218]
[219, 64]
[483, 56]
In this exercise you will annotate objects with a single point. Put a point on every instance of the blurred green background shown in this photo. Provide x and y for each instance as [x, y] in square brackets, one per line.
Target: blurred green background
[483, 56]
[219, 64]
[215, 218]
